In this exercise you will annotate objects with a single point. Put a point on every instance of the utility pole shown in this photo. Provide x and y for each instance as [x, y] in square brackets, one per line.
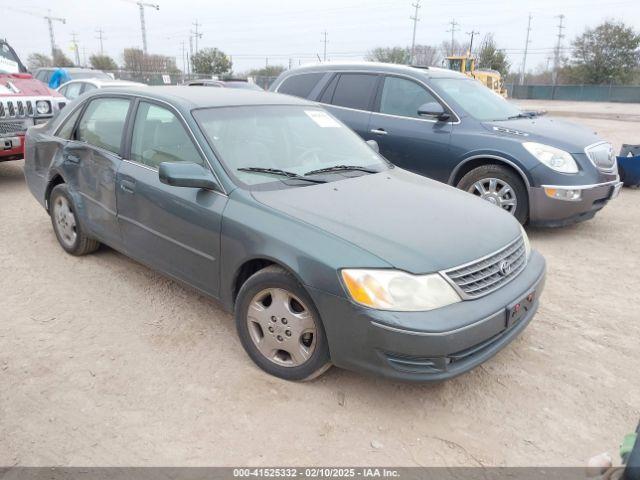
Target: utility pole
[556, 59]
[526, 50]
[101, 38]
[143, 27]
[84, 56]
[74, 40]
[415, 25]
[190, 54]
[472, 34]
[453, 31]
[184, 65]
[324, 34]
[196, 34]
[52, 39]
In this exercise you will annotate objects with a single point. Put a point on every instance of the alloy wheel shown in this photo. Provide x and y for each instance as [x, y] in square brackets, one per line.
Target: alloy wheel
[65, 221]
[496, 191]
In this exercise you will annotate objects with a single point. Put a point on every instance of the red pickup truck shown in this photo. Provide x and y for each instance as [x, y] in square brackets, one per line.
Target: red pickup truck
[24, 101]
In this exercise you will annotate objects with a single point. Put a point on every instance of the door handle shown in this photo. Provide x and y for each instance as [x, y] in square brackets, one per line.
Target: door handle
[127, 186]
[71, 157]
[379, 131]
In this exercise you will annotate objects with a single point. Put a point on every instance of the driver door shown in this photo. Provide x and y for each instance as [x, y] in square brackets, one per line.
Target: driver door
[173, 229]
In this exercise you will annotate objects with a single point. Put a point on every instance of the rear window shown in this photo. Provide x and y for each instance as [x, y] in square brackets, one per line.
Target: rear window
[300, 85]
[103, 122]
[354, 90]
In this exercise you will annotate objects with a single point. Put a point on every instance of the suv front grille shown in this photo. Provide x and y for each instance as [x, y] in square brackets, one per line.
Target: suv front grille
[16, 108]
[488, 274]
[601, 155]
[12, 127]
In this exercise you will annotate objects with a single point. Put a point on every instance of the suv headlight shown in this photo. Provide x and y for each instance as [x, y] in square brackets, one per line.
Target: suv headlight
[552, 157]
[525, 239]
[43, 107]
[397, 290]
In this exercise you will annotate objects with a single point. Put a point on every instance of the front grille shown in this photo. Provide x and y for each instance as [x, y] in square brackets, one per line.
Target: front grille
[486, 275]
[12, 127]
[602, 156]
[16, 108]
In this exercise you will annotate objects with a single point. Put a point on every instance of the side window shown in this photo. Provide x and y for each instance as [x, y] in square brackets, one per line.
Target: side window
[327, 95]
[88, 87]
[67, 128]
[73, 90]
[158, 136]
[300, 85]
[403, 97]
[354, 90]
[103, 122]
[63, 91]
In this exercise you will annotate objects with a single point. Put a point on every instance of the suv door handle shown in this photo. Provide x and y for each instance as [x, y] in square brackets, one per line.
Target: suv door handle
[71, 157]
[379, 131]
[127, 186]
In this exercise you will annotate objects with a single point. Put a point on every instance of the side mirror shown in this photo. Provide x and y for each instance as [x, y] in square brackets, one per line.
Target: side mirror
[433, 109]
[186, 174]
[374, 145]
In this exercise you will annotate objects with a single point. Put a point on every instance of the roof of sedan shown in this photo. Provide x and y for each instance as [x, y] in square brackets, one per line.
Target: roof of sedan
[194, 97]
[432, 72]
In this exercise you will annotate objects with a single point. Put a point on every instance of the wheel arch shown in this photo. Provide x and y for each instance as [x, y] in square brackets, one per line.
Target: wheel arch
[475, 161]
[56, 179]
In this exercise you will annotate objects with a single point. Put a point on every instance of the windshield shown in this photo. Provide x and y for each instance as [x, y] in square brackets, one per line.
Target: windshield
[296, 139]
[476, 99]
[8, 61]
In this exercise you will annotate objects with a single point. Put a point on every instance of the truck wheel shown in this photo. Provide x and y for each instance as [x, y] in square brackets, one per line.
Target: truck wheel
[66, 224]
[499, 186]
[280, 327]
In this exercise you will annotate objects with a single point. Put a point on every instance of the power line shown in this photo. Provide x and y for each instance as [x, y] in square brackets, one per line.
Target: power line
[453, 31]
[415, 25]
[526, 49]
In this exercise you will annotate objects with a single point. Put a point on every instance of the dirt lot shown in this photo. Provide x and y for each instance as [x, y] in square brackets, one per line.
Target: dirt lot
[104, 362]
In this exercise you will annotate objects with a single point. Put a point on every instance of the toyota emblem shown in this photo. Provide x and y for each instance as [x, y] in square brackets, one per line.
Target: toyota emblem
[505, 268]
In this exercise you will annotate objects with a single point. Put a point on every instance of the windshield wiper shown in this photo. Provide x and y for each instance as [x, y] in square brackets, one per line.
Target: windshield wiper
[341, 168]
[281, 173]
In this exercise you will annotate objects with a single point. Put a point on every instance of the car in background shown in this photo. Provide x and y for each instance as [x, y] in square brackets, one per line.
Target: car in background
[76, 73]
[73, 89]
[449, 127]
[274, 207]
[230, 83]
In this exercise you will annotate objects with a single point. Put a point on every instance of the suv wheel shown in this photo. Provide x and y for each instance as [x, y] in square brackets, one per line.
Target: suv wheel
[499, 186]
[280, 327]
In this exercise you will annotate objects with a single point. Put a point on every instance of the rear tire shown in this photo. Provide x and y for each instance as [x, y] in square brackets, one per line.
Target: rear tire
[66, 223]
[500, 186]
[280, 327]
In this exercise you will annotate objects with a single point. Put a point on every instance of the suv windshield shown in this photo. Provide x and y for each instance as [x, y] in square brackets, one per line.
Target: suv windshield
[8, 61]
[476, 99]
[294, 139]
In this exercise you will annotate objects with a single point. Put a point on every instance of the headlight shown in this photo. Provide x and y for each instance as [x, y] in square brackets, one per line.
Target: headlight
[43, 107]
[525, 239]
[396, 290]
[552, 157]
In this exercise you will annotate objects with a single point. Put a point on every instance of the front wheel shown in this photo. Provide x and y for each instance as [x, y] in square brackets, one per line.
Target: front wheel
[499, 186]
[280, 327]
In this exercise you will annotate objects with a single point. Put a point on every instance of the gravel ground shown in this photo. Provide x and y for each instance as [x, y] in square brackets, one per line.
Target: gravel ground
[104, 362]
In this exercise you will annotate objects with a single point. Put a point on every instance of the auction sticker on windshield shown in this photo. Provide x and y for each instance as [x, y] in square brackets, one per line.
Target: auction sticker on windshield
[322, 119]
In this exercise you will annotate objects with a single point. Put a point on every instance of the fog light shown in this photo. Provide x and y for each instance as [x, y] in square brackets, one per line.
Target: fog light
[43, 107]
[563, 193]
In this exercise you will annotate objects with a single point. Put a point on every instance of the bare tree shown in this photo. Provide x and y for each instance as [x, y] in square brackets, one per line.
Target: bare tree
[427, 55]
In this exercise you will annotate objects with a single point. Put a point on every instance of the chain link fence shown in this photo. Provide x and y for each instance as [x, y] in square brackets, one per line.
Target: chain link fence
[580, 93]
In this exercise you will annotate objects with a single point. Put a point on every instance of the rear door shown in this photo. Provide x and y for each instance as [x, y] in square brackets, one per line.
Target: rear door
[96, 152]
[412, 142]
[350, 97]
[173, 229]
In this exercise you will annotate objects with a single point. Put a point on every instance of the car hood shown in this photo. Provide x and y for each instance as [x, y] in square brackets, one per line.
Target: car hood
[23, 85]
[413, 223]
[552, 131]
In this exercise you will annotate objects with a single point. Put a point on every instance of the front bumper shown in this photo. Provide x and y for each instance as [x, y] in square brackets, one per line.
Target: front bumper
[552, 212]
[428, 346]
[11, 147]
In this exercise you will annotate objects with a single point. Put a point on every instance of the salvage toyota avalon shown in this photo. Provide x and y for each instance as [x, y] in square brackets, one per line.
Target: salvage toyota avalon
[326, 253]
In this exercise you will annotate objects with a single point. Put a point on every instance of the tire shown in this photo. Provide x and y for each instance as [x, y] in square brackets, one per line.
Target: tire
[485, 176]
[66, 223]
[283, 334]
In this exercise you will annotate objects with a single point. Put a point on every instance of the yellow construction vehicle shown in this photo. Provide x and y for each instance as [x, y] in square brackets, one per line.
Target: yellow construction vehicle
[467, 64]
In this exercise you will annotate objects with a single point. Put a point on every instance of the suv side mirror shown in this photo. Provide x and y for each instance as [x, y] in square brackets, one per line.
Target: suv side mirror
[374, 145]
[186, 174]
[433, 109]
